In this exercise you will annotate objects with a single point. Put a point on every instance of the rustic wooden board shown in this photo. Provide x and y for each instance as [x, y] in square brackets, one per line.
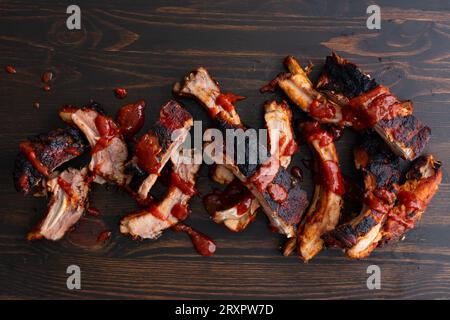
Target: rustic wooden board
[147, 46]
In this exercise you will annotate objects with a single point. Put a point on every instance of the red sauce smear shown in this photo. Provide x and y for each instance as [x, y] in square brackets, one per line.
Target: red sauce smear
[180, 211]
[331, 177]
[312, 131]
[291, 148]
[153, 209]
[46, 87]
[321, 110]
[147, 151]
[227, 100]
[277, 192]
[204, 245]
[410, 201]
[406, 224]
[29, 153]
[66, 186]
[93, 211]
[235, 193]
[120, 93]
[131, 118]
[107, 130]
[244, 204]
[10, 69]
[185, 186]
[376, 203]
[72, 150]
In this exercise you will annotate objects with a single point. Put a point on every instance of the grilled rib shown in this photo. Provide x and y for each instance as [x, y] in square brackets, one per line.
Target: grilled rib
[325, 210]
[351, 98]
[40, 155]
[151, 222]
[69, 190]
[374, 106]
[381, 172]
[154, 148]
[109, 151]
[263, 180]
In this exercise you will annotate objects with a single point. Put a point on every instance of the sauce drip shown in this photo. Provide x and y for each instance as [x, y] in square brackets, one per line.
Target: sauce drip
[66, 186]
[185, 186]
[180, 211]
[120, 93]
[331, 178]
[227, 100]
[10, 69]
[204, 245]
[131, 118]
[147, 151]
[26, 148]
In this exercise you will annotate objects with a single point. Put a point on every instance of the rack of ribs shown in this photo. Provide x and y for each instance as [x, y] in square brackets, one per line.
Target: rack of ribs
[149, 223]
[154, 149]
[325, 209]
[39, 156]
[69, 190]
[344, 96]
[276, 190]
[108, 148]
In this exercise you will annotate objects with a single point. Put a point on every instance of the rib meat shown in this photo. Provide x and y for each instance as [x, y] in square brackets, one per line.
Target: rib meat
[151, 222]
[109, 151]
[264, 180]
[40, 155]
[325, 209]
[69, 190]
[155, 148]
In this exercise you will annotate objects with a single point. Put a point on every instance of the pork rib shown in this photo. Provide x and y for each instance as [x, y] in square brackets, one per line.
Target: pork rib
[151, 222]
[69, 190]
[109, 151]
[325, 209]
[40, 155]
[154, 148]
[263, 180]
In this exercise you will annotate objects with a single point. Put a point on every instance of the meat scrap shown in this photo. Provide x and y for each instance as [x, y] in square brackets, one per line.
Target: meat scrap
[149, 223]
[325, 209]
[69, 192]
[276, 190]
[108, 149]
[39, 156]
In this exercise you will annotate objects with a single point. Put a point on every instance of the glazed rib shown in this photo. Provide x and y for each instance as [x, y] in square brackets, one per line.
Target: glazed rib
[109, 151]
[154, 148]
[262, 179]
[374, 107]
[325, 209]
[151, 222]
[381, 171]
[69, 191]
[39, 156]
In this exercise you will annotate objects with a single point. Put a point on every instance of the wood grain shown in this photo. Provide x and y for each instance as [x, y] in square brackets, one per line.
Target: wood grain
[148, 45]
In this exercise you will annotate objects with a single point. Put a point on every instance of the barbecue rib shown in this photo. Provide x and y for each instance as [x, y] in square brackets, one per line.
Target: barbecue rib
[369, 104]
[325, 209]
[351, 98]
[154, 148]
[275, 189]
[381, 171]
[69, 191]
[151, 222]
[109, 151]
[40, 155]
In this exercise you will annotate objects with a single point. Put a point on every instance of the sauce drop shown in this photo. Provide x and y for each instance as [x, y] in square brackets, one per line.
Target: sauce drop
[26, 148]
[131, 118]
[180, 211]
[10, 69]
[120, 93]
[46, 87]
[107, 130]
[47, 76]
[204, 245]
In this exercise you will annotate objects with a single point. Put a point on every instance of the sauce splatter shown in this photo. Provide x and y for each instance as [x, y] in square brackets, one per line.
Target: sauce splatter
[46, 88]
[47, 77]
[10, 69]
[131, 118]
[120, 93]
[204, 245]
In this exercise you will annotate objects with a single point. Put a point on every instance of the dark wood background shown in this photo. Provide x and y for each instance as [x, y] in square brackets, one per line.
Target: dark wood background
[145, 47]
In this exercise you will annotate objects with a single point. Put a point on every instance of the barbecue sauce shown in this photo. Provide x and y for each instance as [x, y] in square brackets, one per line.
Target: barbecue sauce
[244, 204]
[321, 110]
[277, 192]
[26, 148]
[331, 177]
[235, 193]
[131, 118]
[10, 69]
[227, 100]
[312, 131]
[180, 211]
[204, 245]
[66, 186]
[185, 186]
[410, 201]
[120, 93]
[107, 130]
[47, 77]
[147, 151]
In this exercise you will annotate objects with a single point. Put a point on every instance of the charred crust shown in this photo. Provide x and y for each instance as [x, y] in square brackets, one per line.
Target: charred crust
[342, 236]
[366, 224]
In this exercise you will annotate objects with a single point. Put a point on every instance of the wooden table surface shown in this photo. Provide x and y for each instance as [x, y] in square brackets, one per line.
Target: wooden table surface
[148, 45]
